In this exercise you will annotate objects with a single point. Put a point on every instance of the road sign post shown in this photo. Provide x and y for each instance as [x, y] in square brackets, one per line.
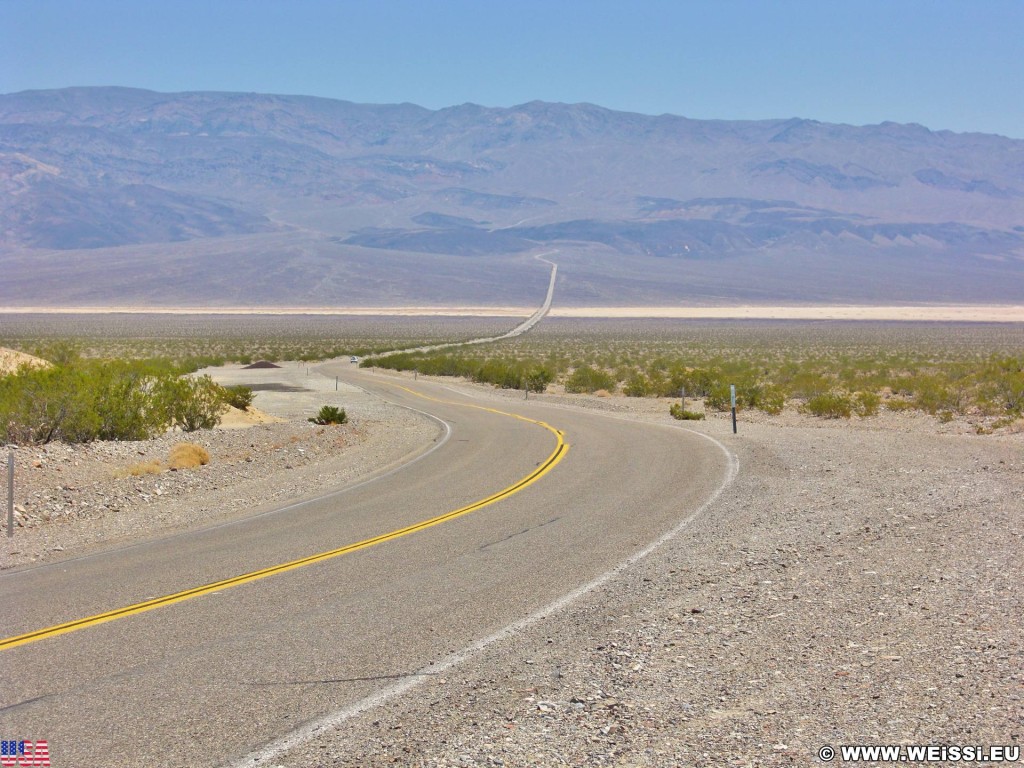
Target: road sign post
[732, 397]
[10, 493]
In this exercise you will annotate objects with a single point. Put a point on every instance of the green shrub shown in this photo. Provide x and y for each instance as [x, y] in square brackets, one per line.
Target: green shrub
[765, 398]
[699, 382]
[933, 394]
[589, 380]
[239, 396]
[831, 405]
[720, 397]
[500, 374]
[1002, 386]
[538, 378]
[330, 414]
[866, 403]
[678, 412]
[86, 400]
[192, 403]
[637, 385]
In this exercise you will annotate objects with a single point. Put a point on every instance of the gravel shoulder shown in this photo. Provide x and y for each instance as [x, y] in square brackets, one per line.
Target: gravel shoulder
[859, 582]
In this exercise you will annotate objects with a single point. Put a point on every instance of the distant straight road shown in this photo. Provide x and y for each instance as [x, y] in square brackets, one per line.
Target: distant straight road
[519, 330]
[212, 678]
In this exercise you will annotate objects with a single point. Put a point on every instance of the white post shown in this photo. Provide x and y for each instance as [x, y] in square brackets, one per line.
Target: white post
[732, 396]
[10, 493]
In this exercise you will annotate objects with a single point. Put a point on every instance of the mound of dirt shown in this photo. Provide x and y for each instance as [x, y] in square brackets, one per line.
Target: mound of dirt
[11, 360]
[261, 364]
[235, 418]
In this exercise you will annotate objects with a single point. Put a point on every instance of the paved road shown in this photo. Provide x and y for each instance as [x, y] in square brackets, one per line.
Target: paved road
[209, 679]
[519, 330]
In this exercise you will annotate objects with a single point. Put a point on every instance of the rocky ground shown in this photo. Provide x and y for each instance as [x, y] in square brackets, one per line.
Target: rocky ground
[858, 582]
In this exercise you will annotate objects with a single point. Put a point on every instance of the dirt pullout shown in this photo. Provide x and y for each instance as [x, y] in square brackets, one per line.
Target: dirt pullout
[855, 584]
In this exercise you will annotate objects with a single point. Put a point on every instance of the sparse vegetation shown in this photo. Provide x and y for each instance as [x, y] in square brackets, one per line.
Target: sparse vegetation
[586, 378]
[947, 370]
[830, 405]
[943, 369]
[678, 412]
[330, 414]
[866, 403]
[197, 341]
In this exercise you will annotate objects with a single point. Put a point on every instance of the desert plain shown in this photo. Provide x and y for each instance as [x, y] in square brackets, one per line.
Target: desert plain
[854, 581]
[976, 313]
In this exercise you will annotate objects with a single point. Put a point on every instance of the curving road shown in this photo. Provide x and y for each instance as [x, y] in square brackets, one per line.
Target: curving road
[212, 678]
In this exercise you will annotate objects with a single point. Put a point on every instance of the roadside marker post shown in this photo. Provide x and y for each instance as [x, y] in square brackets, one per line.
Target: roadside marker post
[732, 397]
[10, 493]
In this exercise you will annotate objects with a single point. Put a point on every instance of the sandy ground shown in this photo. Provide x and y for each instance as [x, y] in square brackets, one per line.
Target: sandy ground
[11, 360]
[936, 312]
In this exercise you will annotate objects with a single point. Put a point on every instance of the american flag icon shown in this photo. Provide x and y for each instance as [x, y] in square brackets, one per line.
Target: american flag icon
[24, 754]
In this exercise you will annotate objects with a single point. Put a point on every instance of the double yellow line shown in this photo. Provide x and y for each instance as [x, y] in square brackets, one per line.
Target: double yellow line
[561, 447]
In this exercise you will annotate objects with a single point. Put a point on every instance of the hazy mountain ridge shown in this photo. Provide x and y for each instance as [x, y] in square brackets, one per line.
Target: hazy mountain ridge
[95, 168]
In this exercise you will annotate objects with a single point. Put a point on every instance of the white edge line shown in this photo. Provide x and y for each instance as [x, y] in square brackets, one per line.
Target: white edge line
[311, 730]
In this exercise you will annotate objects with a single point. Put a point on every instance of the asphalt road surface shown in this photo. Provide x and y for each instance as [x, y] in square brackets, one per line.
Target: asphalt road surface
[208, 679]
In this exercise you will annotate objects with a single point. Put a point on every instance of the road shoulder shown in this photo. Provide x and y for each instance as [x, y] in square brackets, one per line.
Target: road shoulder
[855, 584]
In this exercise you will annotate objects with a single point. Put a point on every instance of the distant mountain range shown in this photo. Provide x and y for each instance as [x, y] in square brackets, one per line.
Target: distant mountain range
[122, 196]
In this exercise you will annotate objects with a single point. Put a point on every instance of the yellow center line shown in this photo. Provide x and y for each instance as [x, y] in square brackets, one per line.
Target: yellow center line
[561, 447]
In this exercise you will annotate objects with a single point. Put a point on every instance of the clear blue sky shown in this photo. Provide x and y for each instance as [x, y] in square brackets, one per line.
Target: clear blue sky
[953, 64]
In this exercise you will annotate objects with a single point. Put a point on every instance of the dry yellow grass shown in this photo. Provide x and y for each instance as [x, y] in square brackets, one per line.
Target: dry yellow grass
[145, 468]
[187, 456]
